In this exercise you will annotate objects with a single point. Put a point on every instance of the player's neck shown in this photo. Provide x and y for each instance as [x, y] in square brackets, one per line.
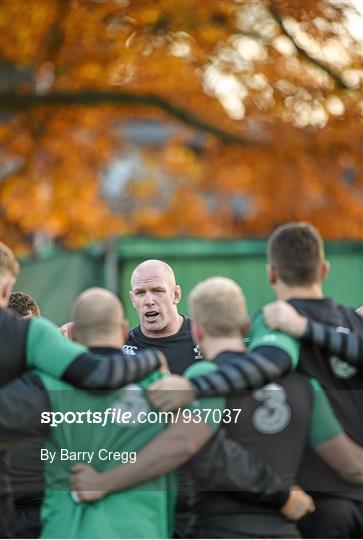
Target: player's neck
[212, 346]
[285, 292]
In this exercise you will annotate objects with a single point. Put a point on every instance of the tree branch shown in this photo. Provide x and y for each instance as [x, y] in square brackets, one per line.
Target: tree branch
[17, 102]
[302, 52]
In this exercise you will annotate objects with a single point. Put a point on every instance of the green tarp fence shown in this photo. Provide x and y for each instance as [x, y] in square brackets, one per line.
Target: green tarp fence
[55, 279]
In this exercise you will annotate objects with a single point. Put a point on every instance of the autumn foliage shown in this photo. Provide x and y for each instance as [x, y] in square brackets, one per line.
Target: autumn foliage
[265, 94]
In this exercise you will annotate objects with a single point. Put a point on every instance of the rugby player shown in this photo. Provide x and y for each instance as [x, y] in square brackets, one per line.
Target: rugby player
[27, 469]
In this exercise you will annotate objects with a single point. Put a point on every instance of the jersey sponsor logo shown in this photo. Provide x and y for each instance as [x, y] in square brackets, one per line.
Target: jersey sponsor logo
[131, 399]
[342, 369]
[274, 414]
[130, 350]
[197, 353]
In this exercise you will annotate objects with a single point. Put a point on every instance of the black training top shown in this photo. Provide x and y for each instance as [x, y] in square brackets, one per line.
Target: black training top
[179, 348]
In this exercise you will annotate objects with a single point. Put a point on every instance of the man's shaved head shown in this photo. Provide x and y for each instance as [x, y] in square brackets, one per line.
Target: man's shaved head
[155, 295]
[98, 317]
[154, 267]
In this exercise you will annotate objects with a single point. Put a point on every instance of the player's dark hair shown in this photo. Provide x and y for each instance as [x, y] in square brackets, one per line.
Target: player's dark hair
[296, 252]
[23, 304]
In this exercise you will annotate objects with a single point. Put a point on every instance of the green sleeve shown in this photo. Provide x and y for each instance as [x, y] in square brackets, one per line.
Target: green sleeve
[48, 350]
[262, 336]
[206, 406]
[324, 425]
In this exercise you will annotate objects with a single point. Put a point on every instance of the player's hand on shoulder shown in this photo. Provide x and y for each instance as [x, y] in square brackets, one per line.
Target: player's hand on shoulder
[171, 393]
[67, 330]
[298, 504]
[282, 316]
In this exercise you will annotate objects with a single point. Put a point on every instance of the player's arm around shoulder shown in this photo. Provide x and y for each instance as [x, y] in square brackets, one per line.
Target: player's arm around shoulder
[262, 336]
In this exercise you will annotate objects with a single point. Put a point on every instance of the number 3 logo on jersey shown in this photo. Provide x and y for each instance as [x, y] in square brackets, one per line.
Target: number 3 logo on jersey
[274, 415]
[131, 399]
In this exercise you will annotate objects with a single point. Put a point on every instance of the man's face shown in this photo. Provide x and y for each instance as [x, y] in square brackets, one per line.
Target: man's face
[154, 298]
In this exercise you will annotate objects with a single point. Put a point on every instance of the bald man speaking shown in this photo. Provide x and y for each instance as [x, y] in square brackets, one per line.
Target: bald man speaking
[155, 296]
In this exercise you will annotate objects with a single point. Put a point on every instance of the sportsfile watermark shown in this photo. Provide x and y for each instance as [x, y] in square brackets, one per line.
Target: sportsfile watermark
[87, 456]
[102, 431]
[127, 418]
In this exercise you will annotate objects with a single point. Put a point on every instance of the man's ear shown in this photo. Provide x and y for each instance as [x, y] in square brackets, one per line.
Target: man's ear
[6, 288]
[177, 294]
[197, 332]
[271, 274]
[125, 329]
[4, 293]
[246, 328]
[325, 267]
[132, 298]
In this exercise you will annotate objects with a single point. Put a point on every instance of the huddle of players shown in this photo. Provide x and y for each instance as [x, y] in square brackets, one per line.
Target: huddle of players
[237, 493]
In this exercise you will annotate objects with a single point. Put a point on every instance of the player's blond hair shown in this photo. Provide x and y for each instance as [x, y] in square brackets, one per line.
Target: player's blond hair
[218, 305]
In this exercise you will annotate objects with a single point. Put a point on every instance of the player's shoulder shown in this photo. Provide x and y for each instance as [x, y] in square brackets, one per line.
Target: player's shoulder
[258, 324]
[8, 319]
[7, 315]
[41, 324]
[351, 318]
[134, 333]
[135, 340]
[187, 323]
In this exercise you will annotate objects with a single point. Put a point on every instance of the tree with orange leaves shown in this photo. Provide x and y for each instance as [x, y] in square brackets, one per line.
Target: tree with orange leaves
[266, 94]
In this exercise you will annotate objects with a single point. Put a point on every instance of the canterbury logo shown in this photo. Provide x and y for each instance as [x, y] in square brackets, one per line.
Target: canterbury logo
[130, 350]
